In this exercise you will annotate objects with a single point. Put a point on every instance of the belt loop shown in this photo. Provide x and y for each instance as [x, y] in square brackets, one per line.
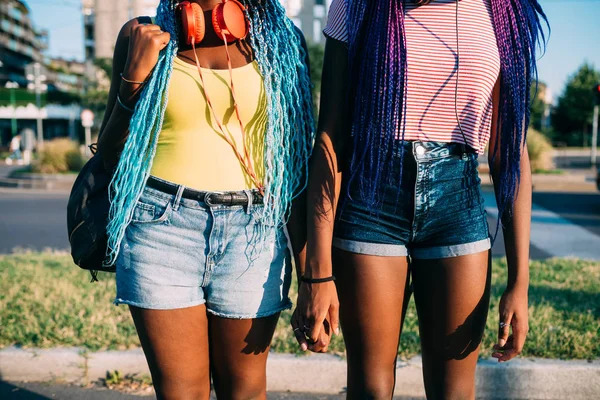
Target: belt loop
[465, 154]
[250, 198]
[177, 201]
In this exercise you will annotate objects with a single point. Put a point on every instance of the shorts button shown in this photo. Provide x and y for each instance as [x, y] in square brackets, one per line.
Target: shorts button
[420, 150]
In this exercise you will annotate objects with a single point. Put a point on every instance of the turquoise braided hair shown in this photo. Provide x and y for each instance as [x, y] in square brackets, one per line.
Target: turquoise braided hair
[290, 129]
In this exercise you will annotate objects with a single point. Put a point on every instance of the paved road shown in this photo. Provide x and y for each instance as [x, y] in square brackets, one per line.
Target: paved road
[42, 391]
[564, 224]
[32, 220]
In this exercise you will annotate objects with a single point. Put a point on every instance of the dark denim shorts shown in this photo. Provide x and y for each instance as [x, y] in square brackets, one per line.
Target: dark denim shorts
[437, 212]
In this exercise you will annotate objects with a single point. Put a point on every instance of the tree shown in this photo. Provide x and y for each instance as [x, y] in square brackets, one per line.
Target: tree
[105, 64]
[538, 105]
[573, 113]
[316, 52]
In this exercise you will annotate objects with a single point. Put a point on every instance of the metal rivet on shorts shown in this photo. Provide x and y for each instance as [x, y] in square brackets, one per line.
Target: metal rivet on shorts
[420, 150]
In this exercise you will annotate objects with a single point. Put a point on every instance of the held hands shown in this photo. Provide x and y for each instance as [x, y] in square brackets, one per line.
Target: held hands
[316, 316]
[145, 44]
[513, 314]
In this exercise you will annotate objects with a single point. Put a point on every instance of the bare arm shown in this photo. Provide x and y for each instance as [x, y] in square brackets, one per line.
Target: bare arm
[115, 125]
[318, 302]
[516, 230]
[297, 223]
[325, 177]
[136, 54]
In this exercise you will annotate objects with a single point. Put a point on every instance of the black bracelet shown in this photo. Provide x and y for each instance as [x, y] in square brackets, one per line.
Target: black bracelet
[123, 106]
[317, 280]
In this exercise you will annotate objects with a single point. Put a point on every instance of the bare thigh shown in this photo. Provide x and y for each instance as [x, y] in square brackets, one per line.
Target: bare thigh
[184, 346]
[176, 346]
[373, 293]
[452, 297]
[239, 350]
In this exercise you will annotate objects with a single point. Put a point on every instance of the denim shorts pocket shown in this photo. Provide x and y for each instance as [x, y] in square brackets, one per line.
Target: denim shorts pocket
[145, 213]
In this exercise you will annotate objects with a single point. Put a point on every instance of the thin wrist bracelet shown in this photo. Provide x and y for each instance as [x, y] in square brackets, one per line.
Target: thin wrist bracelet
[317, 280]
[123, 106]
[133, 82]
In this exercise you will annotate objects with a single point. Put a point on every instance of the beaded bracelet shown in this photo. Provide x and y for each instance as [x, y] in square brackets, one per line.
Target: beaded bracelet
[132, 82]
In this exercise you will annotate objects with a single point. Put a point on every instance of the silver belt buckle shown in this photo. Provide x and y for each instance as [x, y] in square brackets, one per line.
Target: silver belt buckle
[207, 197]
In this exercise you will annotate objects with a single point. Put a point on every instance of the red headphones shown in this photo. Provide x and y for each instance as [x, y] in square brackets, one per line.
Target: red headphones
[228, 19]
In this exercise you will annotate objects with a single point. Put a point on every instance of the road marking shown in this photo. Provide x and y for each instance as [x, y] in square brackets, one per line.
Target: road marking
[554, 234]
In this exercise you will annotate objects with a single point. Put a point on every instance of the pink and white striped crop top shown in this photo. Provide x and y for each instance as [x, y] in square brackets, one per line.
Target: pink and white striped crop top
[431, 58]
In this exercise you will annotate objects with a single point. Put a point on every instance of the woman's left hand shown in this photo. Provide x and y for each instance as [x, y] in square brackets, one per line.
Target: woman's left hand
[513, 315]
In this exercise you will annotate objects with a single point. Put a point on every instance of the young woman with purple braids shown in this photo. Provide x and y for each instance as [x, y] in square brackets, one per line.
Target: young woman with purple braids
[412, 93]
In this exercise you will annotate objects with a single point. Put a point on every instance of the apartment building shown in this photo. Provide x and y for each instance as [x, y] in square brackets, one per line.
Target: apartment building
[20, 43]
[104, 18]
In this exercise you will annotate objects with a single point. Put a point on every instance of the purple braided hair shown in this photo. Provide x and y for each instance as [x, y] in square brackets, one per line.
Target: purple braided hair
[377, 54]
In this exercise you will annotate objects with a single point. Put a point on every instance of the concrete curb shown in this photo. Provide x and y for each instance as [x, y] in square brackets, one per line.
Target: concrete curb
[519, 379]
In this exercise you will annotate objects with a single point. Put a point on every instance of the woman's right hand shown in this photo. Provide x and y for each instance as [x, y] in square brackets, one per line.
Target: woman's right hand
[317, 312]
[145, 44]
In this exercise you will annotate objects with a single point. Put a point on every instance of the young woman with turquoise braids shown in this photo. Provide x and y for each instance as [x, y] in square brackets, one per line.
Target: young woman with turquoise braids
[209, 128]
[413, 92]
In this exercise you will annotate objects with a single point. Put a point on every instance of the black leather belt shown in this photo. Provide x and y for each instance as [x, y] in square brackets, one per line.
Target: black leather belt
[210, 198]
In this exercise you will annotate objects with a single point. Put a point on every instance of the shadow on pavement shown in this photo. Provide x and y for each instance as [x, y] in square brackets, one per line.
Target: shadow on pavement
[27, 391]
[46, 390]
[9, 391]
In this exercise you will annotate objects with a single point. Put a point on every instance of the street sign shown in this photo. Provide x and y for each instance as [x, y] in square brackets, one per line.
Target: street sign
[87, 118]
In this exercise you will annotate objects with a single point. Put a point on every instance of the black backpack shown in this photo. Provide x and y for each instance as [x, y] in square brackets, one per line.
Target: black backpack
[87, 216]
[87, 212]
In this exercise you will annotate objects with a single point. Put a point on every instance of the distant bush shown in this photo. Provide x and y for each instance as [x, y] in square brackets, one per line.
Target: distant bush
[75, 161]
[59, 156]
[540, 151]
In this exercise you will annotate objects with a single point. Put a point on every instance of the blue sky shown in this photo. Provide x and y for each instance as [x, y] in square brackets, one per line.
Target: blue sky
[575, 34]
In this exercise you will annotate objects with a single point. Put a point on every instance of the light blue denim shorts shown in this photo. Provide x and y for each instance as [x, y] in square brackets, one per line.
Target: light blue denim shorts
[180, 253]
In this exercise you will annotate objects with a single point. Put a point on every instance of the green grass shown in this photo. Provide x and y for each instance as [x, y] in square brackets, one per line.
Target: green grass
[46, 301]
[549, 171]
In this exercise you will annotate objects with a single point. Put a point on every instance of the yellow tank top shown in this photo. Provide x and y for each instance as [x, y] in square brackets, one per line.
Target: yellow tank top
[191, 150]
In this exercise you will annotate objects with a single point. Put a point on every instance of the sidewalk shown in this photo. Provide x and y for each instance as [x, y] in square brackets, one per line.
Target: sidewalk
[518, 379]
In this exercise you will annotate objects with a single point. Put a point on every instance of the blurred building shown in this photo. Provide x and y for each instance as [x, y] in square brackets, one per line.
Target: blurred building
[20, 43]
[65, 75]
[309, 15]
[23, 84]
[103, 19]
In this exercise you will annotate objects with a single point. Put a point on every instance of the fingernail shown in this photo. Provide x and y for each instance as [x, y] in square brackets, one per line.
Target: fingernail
[337, 331]
[303, 347]
[501, 342]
